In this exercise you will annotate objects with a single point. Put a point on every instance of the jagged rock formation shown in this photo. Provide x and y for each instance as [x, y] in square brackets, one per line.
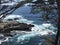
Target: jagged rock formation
[13, 25]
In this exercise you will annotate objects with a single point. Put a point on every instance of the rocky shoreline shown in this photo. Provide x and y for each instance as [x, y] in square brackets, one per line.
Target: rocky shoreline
[11, 28]
[6, 27]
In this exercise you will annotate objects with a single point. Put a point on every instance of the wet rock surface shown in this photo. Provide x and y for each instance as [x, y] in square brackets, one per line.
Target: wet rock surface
[13, 25]
[22, 38]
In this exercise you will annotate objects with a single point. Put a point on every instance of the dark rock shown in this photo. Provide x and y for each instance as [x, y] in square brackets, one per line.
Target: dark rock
[13, 25]
[21, 26]
[8, 34]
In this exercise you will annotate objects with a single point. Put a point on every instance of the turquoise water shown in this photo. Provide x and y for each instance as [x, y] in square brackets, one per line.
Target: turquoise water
[36, 37]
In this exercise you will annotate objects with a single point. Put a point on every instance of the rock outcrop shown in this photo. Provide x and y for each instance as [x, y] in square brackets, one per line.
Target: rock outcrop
[13, 25]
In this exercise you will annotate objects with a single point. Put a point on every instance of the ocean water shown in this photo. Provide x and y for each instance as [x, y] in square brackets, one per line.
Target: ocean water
[37, 33]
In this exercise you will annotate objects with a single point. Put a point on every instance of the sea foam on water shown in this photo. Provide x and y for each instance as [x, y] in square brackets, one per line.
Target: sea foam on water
[35, 31]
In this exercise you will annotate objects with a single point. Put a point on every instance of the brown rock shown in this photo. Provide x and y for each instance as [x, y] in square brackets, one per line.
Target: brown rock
[13, 25]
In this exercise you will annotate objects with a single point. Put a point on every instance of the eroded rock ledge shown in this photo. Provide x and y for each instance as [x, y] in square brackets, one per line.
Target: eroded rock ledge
[14, 25]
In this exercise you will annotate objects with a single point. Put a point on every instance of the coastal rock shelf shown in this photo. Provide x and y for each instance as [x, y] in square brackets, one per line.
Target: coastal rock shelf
[13, 25]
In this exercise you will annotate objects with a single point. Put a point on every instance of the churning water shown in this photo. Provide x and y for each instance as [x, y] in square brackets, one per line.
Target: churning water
[34, 37]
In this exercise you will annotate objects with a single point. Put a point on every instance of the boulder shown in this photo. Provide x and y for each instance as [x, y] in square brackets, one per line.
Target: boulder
[13, 25]
[2, 25]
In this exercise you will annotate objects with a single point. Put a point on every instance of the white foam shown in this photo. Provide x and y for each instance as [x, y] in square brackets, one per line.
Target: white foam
[26, 37]
[20, 19]
[34, 0]
[25, 21]
[18, 0]
[9, 4]
[47, 24]
[29, 4]
[13, 16]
